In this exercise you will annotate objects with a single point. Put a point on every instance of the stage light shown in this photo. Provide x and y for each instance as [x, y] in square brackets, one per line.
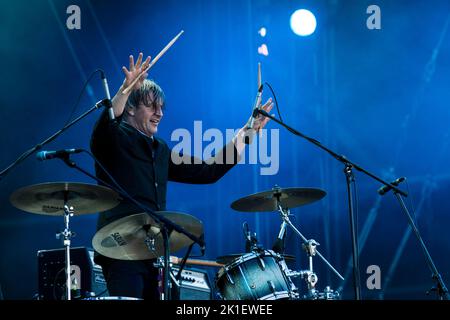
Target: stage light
[263, 50]
[262, 32]
[303, 22]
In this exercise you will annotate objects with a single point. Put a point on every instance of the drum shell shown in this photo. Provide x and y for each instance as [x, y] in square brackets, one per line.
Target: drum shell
[253, 277]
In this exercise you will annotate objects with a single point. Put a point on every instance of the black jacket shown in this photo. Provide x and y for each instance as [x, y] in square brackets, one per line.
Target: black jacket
[142, 166]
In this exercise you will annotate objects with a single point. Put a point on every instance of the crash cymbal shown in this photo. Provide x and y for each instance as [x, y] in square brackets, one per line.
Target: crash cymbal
[125, 238]
[231, 257]
[288, 197]
[48, 198]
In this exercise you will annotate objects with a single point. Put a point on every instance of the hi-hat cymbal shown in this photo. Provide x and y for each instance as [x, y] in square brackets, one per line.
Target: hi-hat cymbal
[231, 257]
[127, 238]
[48, 198]
[287, 198]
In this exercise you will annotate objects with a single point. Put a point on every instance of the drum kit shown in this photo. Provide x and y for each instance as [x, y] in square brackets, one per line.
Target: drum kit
[258, 274]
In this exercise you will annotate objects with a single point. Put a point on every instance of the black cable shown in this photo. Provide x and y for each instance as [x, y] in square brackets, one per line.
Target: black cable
[75, 106]
[54, 283]
[38, 146]
[276, 102]
[112, 179]
[281, 119]
[183, 263]
[122, 191]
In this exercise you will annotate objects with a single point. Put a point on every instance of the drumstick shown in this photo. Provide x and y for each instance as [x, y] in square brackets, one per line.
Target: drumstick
[153, 62]
[259, 86]
[207, 263]
[259, 74]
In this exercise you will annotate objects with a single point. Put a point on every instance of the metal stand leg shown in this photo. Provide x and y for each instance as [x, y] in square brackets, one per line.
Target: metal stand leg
[160, 265]
[165, 234]
[284, 213]
[66, 235]
[355, 248]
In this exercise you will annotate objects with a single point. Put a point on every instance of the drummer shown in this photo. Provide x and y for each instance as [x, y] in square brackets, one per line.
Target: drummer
[141, 163]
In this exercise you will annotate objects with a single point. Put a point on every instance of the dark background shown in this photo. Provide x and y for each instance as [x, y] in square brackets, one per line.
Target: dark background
[380, 97]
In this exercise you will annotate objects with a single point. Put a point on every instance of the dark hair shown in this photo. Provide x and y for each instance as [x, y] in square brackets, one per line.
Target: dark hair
[148, 94]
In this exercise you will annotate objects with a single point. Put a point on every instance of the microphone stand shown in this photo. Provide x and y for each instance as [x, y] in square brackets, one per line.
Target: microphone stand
[350, 179]
[440, 288]
[105, 102]
[167, 225]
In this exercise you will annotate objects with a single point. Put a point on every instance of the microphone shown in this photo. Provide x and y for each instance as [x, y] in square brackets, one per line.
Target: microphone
[249, 137]
[47, 155]
[278, 245]
[255, 107]
[251, 243]
[396, 182]
[108, 97]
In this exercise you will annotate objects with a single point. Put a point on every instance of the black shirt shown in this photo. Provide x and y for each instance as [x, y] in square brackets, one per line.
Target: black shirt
[142, 166]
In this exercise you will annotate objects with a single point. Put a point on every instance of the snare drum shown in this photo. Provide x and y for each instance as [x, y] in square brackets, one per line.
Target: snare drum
[254, 276]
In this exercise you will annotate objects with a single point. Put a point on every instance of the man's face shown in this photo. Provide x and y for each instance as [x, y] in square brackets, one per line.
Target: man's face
[147, 118]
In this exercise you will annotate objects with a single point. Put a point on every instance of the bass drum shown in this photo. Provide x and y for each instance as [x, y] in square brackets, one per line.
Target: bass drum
[254, 276]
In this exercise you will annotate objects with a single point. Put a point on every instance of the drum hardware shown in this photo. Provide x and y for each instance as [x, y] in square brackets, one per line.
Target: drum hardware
[186, 284]
[251, 242]
[166, 230]
[282, 200]
[329, 294]
[159, 264]
[139, 236]
[53, 199]
[150, 243]
[284, 214]
[310, 247]
[66, 235]
[350, 181]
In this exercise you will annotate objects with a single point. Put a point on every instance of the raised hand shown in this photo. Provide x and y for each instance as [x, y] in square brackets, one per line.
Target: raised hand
[261, 121]
[134, 71]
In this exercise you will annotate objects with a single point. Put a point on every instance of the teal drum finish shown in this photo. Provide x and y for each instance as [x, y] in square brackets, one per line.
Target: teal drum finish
[254, 276]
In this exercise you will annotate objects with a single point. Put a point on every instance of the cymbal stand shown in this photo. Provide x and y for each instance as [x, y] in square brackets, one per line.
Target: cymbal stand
[66, 235]
[163, 265]
[167, 225]
[349, 166]
[165, 233]
[159, 264]
[309, 275]
[284, 214]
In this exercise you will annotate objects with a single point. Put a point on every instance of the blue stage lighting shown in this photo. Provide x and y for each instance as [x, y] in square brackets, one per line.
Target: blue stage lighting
[303, 22]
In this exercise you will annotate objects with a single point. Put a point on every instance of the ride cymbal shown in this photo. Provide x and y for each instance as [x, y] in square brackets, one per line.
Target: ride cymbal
[269, 200]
